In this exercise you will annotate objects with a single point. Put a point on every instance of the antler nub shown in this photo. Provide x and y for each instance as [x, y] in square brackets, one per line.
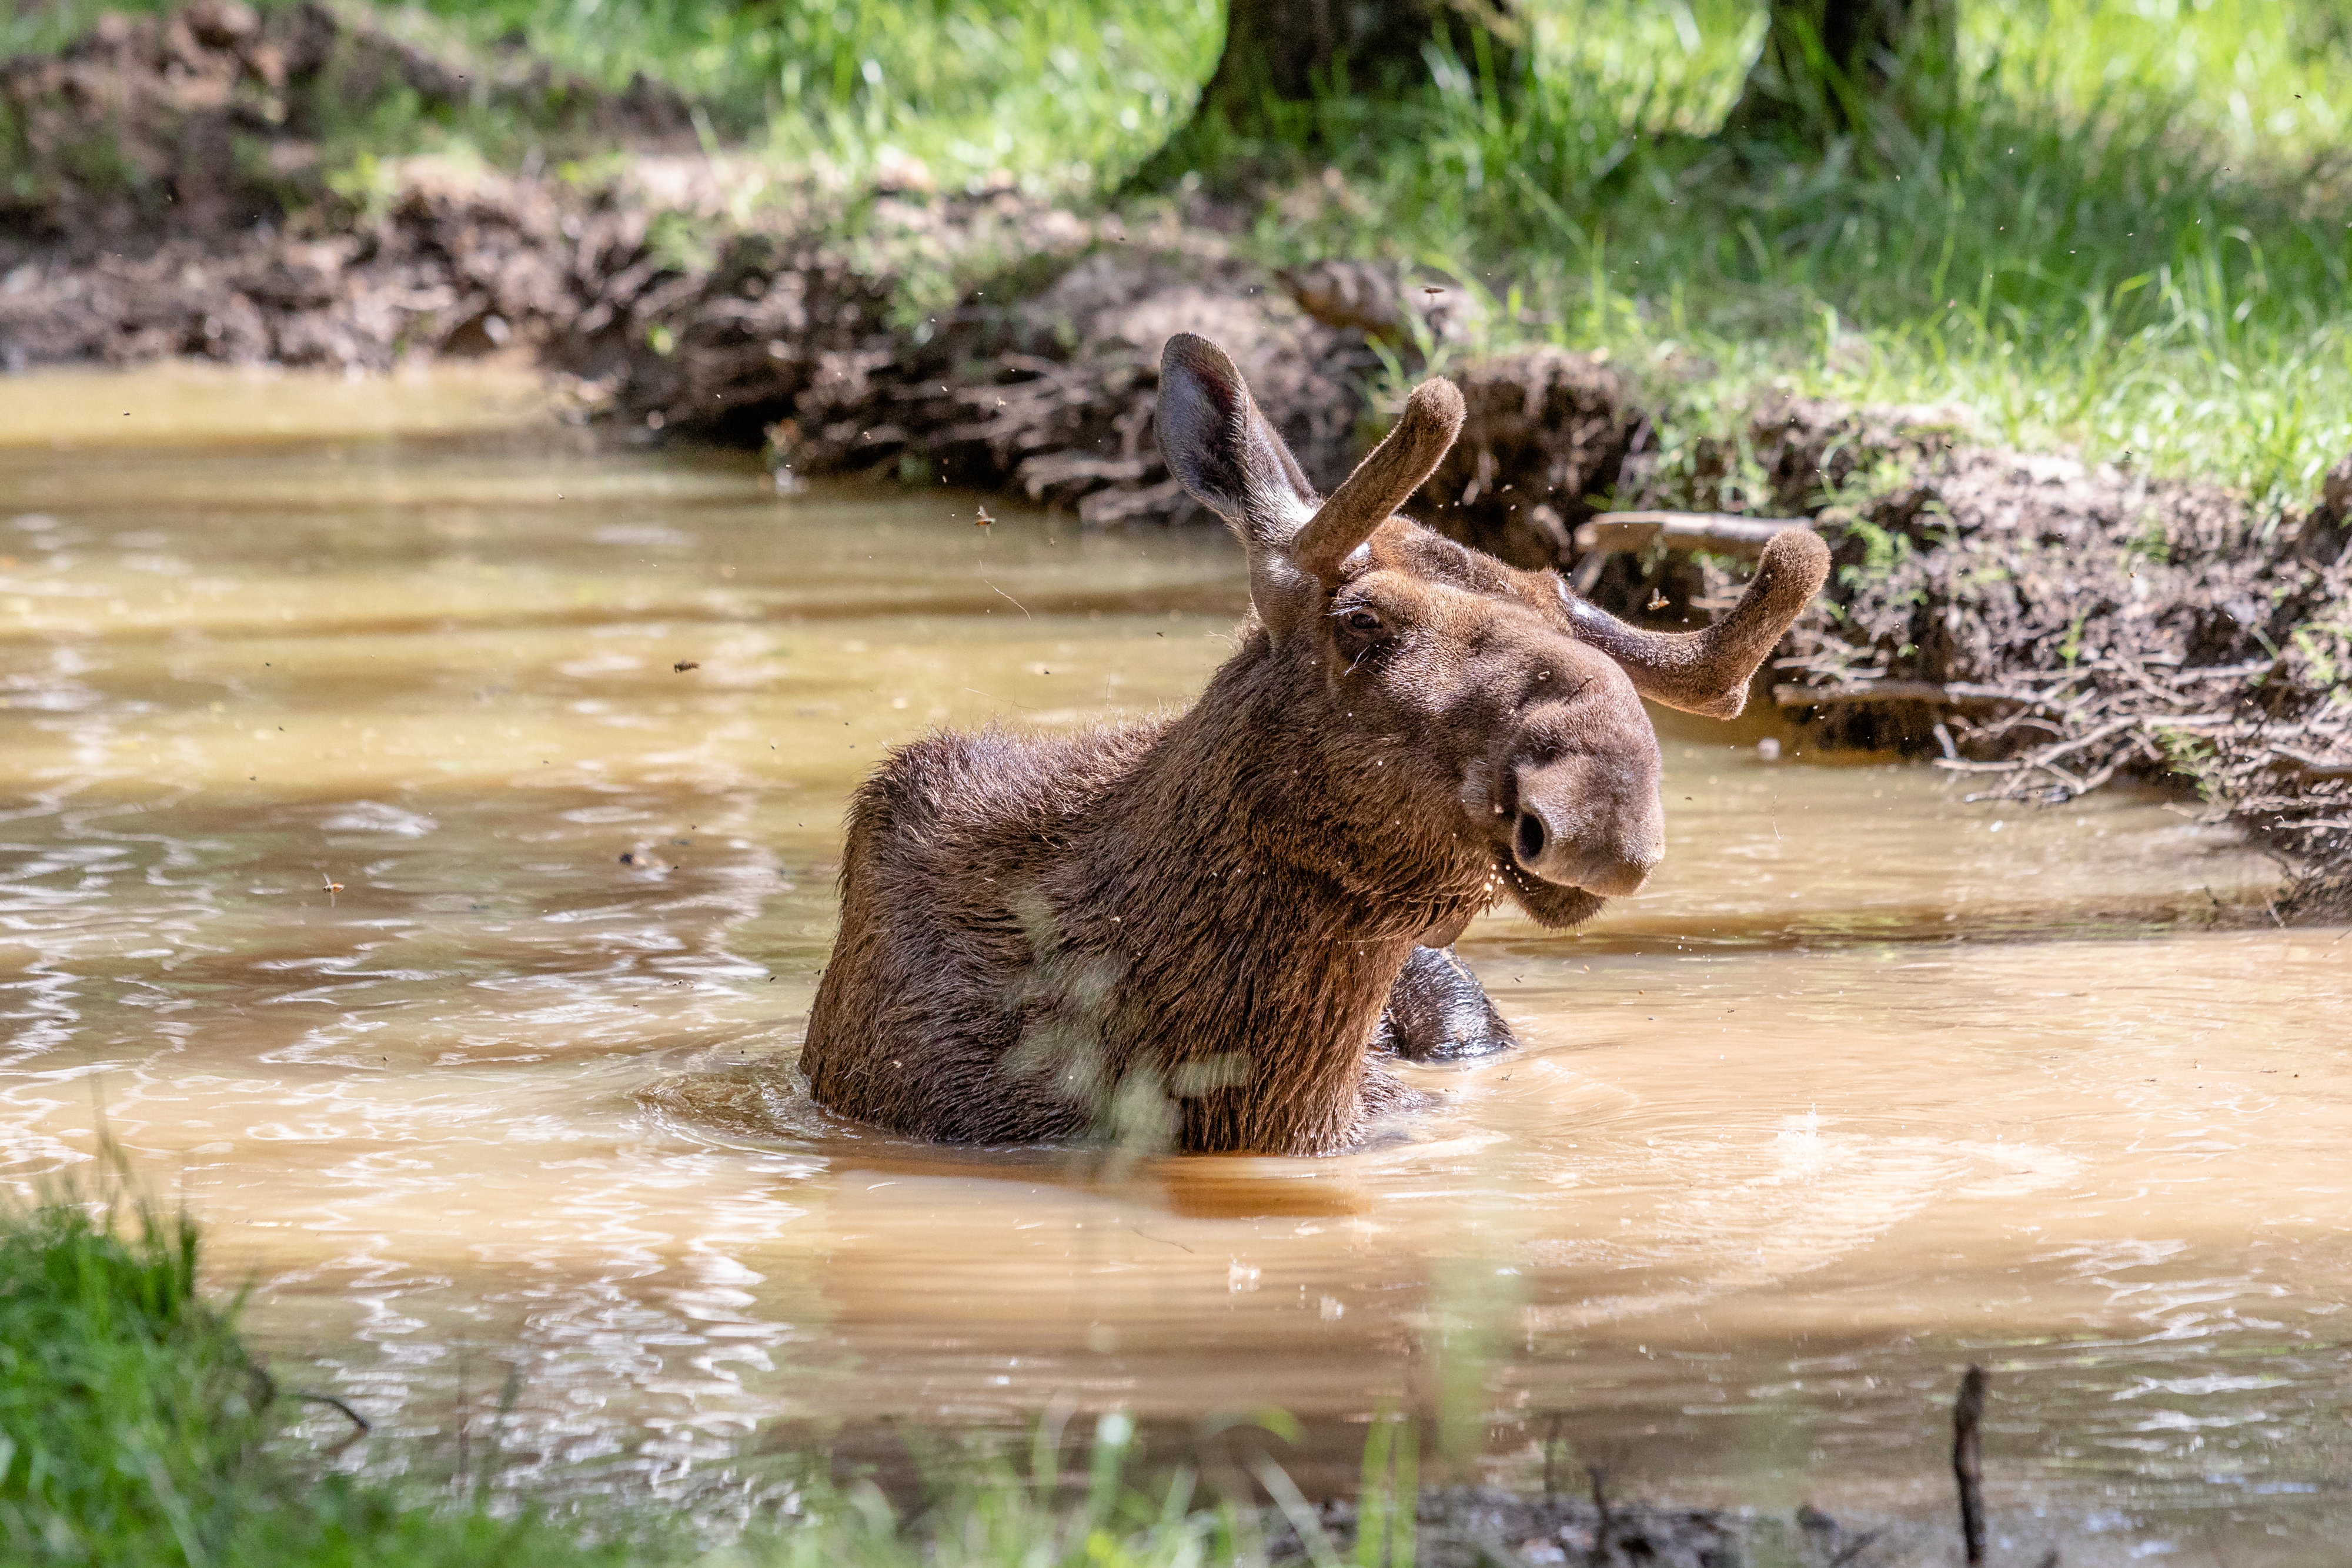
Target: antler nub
[1384, 481]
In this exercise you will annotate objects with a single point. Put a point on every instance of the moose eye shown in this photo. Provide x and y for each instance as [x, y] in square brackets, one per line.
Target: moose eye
[1363, 620]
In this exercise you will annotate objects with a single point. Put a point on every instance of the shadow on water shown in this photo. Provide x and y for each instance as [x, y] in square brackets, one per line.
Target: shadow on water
[761, 1101]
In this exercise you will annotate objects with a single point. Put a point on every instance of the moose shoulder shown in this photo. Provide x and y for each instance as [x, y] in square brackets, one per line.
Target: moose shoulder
[1187, 930]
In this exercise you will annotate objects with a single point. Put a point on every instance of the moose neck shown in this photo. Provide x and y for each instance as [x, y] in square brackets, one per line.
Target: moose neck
[1262, 883]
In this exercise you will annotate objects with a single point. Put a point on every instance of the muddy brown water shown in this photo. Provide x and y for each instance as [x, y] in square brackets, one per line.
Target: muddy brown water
[420, 823]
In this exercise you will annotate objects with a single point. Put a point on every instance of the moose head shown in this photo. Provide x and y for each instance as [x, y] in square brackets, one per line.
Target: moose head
[1508, 705]
[1196, 925]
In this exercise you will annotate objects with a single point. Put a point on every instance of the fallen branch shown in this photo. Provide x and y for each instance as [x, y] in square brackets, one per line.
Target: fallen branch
[1869, 692]
[332, 1403]
[2259, 751]
[2312, 767]
[1941, 693]
[1742, 538]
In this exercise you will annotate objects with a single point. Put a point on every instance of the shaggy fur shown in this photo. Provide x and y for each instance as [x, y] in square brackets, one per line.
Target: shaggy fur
[1184, 932]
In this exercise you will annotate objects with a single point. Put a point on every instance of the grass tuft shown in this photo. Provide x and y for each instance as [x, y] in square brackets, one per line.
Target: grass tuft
[127, 1404]
[137, 1431]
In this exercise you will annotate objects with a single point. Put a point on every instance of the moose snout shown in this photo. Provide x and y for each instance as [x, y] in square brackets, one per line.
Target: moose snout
[1588, 821]
[1610, 863]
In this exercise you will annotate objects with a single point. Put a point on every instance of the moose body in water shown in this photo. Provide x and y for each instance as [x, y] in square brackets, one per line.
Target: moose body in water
[1200, 931]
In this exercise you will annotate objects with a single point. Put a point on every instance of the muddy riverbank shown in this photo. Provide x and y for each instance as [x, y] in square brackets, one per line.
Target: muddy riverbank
[2049, 624]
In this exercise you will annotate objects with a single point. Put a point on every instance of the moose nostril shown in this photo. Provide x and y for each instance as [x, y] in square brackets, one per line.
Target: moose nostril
[1531, 836]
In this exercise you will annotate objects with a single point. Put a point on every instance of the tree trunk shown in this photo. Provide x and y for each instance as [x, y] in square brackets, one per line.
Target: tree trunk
[1291, 50]
[1839, 67]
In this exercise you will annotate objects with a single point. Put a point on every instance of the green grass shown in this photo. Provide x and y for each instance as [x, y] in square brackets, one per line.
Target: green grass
[2129, 238]
[103, 1332]
[136, 1429]
[1059, 95]
[1064, 94]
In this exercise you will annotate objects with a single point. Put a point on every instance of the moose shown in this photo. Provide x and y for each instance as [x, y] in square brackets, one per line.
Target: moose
[1200, 931]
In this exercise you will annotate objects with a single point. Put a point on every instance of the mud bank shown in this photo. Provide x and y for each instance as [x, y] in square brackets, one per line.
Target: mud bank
[2048, 625]
[200, 185]
[1466, 1527]
[2042, 623]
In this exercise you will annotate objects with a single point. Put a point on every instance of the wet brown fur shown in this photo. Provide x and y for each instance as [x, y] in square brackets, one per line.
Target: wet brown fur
[1183, 930]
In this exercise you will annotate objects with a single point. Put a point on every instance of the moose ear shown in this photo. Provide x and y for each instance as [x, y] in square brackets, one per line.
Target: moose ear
[1222, 448]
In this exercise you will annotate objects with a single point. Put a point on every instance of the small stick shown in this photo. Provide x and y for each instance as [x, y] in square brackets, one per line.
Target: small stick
[1967, 1467]
[328, 1400]
[1604, 1544]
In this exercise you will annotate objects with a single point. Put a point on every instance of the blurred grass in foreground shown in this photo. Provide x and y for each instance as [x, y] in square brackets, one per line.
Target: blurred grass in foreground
[136, 1431]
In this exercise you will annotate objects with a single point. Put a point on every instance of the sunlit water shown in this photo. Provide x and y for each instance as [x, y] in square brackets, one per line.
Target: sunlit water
[420, 825]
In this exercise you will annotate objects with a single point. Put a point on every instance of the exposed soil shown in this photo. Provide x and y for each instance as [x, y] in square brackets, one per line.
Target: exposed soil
[1475, 1527]
[1464, 1527]
[2049, 625]
[1050, 388]
[166, 196]
[210, 120]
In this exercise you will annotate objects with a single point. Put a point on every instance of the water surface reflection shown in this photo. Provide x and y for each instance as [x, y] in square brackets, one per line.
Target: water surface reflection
[421, 844]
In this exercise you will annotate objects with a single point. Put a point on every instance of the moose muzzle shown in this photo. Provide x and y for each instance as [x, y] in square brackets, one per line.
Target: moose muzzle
[1583, 810]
